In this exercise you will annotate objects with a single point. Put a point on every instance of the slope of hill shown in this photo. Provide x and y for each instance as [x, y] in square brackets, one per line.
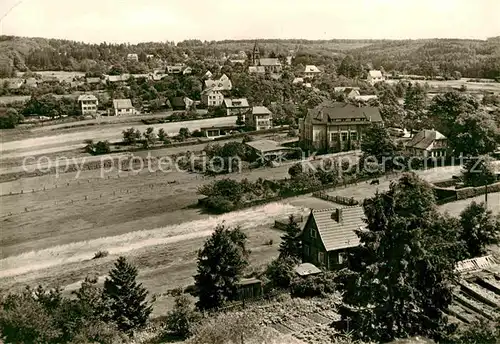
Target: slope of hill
[472, 58]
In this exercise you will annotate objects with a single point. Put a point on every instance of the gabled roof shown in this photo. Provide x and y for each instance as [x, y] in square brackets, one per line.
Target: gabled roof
[424, 139]
[311, 69]
[260, 110]
[223, 83]
[256, 69]
[345, 89]
[329, 111]
[122, 104]
[366, 97]
[87, 97]
[93, 80]
[177, 101]
[337, 235]
[267, 61]
[298, 81]
[266, 145]
[210, 90]
[375, 73]
[117, 78]
[306, 269]
[236, 103]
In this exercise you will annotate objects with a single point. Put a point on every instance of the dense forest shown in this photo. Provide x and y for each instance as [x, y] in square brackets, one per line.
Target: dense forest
[431, 57]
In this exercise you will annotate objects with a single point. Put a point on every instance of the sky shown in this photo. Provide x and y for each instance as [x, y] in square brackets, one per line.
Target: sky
[136, 21]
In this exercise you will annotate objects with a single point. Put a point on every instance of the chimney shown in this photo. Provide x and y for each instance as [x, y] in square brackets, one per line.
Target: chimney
[337, 215]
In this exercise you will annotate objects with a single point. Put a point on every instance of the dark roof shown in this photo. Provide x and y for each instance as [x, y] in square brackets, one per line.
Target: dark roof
[424, 139]
[329, 111]
[337, 235]
[177, 101]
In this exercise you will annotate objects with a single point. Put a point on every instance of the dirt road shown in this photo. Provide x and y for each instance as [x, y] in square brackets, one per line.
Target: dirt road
[110, 133]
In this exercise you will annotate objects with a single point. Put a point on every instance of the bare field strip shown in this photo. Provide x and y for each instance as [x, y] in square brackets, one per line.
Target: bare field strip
[111, 133]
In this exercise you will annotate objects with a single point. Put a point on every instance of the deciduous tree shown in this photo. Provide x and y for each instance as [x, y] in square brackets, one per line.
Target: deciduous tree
[480, 228]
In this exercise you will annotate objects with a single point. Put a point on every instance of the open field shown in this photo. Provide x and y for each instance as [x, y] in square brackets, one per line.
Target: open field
[471, 86]
[50, 236]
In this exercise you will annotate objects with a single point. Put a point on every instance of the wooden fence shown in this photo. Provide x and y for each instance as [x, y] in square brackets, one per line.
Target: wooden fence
[350, 201]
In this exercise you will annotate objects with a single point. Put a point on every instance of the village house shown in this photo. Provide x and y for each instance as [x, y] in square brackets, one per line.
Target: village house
[122, 107]
[212, 97]
[336, 126]
[12, 83]
[311, 71]
[349, 92]
[222, 84]
[178, 69]
[235, 107]
[260, 118]
[88, 104]
[181, 103]
[133, 57]
[117, 78]
[428, 143]
[31, 82]
[329, 234]
[375, 76]
[297, 81]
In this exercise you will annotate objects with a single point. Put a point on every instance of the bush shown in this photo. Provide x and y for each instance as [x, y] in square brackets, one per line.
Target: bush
[181, 319]
[100, 254]
[310, 286]
[219, 204]
[280, 272]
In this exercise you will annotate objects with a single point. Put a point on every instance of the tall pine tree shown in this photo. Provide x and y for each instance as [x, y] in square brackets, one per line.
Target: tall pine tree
[291, 242]
[126, 298]
[220, 265]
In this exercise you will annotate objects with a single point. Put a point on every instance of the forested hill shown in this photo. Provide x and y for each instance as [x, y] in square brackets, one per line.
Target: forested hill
[472, 58]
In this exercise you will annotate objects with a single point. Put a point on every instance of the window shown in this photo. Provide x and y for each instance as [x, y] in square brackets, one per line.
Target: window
[354, 136]
[313, 233]
[307, 250]
[334, 137]
[344, 136]
[321, 257]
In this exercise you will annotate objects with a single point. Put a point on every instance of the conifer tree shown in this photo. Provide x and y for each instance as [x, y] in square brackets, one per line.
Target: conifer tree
[126, 298]
[220, 265]
[291, 242]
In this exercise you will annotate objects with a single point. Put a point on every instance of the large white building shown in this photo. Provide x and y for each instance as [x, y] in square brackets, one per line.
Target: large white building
[88, 104]
[375, 76]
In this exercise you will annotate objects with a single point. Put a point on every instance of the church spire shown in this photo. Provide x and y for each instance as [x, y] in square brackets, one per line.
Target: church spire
[255, 55]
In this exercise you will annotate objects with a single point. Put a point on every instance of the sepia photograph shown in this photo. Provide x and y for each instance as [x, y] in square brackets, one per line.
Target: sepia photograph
[250, 172]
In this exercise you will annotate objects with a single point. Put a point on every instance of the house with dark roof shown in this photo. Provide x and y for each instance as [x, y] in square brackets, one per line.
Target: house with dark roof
[329, 234]
[428, 143]
[181, 103]
[336, 126]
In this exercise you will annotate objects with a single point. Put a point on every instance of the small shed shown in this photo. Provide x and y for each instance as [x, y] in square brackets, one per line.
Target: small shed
[249, 288]
[307, 269]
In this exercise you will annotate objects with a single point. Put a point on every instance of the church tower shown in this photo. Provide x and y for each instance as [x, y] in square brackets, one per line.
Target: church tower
[255, 55]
